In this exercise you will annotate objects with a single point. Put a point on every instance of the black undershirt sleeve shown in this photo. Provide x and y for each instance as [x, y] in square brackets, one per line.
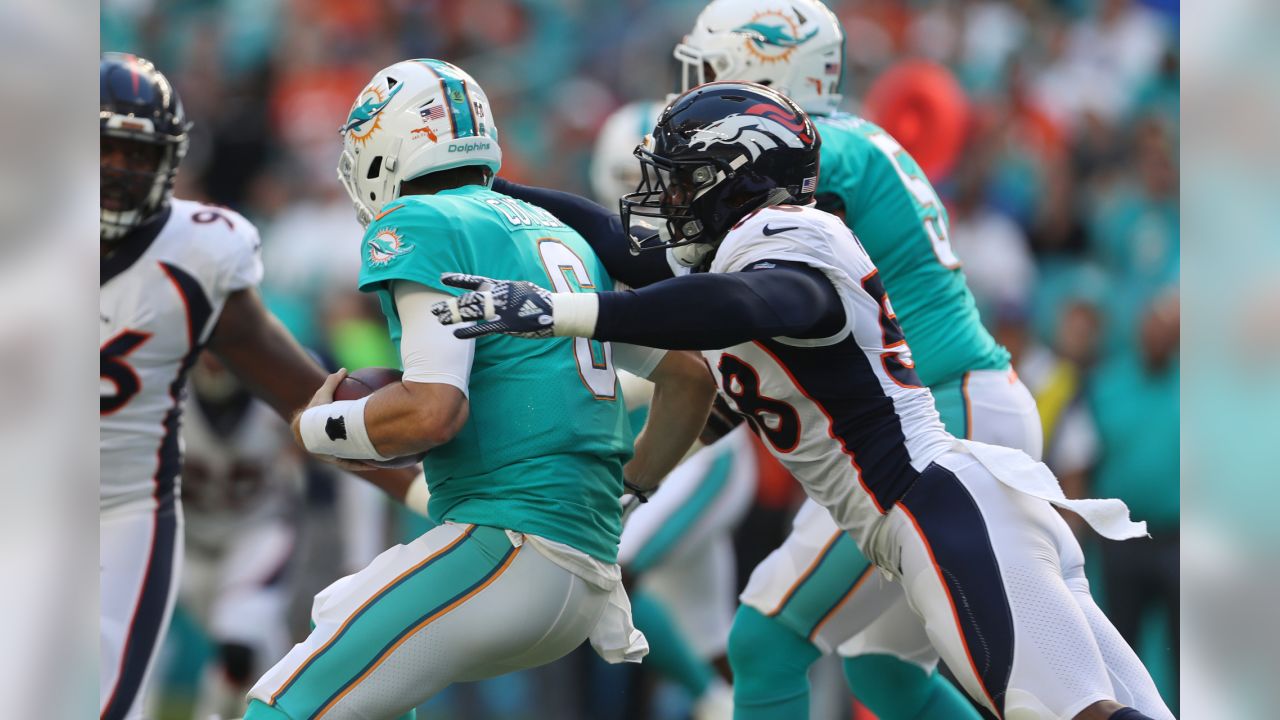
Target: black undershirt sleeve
[708, 311]
[600, 227]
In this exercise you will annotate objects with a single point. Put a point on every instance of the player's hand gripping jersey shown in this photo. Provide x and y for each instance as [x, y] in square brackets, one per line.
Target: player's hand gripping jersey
[543, 449]
[162, 291]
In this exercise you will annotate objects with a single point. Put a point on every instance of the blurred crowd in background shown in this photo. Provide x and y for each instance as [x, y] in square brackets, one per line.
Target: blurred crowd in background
[1063, 206]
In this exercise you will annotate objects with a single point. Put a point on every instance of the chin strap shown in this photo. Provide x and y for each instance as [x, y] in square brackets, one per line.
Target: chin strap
[776, 196]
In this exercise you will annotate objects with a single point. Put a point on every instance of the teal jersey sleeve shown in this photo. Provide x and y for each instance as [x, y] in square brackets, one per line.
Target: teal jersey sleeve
[413, 240]
[547, 435]
[889, 204]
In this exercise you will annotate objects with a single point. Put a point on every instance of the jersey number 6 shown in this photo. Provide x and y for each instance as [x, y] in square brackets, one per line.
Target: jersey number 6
[595, 359]
[116, 371]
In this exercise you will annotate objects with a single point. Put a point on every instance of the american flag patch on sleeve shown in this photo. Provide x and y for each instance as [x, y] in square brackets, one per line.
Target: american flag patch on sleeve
[809, 185]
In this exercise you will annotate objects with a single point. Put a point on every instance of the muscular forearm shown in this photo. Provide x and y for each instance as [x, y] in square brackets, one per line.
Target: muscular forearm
[676, 416]
[408, 418]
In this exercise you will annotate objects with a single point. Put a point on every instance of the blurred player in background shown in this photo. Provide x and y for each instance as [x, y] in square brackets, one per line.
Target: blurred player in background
[176, 277]
[242, 480]
[805, 599]
[527, 442]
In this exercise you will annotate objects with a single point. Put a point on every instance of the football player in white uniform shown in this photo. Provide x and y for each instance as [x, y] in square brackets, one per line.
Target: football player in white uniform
[241, 494]
[794, 321]
[176, 276]
[816, 593]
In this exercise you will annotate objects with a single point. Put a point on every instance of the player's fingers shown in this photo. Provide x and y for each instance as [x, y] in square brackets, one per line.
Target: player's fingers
[479, 330]
[464, 281]
[324, 395]
[447, 312]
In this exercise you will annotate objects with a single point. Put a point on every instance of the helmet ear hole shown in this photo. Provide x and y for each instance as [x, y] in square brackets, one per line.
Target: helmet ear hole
[375, 168]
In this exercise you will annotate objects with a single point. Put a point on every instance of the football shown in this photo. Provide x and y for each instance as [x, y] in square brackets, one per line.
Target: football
[364, 382]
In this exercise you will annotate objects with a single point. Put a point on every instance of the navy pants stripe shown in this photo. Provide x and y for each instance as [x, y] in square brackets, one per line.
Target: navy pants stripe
[146, 629]
[959, 545]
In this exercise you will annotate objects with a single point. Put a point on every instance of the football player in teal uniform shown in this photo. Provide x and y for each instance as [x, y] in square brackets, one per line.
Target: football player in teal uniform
[527, 443]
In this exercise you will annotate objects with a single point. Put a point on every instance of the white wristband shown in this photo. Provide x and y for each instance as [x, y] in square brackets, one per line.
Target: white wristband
[418, 496]
[575, 314]
[337, 429]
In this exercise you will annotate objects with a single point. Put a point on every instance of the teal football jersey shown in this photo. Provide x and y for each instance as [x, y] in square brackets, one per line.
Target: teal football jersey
[894, 211]
[543, 449]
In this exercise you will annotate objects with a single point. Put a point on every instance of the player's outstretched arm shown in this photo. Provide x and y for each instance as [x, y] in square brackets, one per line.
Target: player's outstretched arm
[695, 312]
[682, 394]
[600, 227]
[262, 353]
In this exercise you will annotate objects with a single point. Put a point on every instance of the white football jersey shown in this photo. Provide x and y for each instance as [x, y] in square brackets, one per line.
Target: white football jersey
[845, 414]
[161, 293]
[237, 471]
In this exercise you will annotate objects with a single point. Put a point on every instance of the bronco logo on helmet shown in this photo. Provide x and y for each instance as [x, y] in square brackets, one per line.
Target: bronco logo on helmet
[751, 133]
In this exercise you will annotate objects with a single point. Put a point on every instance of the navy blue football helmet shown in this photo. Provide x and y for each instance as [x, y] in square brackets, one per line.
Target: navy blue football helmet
[718, 153]
[144, 138]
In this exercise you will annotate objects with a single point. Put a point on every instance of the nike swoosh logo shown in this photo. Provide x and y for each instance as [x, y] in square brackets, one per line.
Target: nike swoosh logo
[774, 231]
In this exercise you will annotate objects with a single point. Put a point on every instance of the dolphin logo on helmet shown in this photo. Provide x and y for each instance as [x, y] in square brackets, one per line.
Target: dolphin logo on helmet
[775, 35]
[369, 109]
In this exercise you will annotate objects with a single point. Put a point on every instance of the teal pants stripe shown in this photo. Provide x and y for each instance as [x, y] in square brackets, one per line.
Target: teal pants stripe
[440, 583]
[367, 606]
[814, 596]
[259, 710]
[681, 521]
[421, 622]
[857, 582]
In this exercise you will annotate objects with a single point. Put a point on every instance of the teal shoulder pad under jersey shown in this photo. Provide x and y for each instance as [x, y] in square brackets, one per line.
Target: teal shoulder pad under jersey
[892, 208]
[547, 436]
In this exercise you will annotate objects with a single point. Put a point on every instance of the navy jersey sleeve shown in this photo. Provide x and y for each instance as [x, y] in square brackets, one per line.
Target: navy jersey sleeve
[600, 227]
[707, 311]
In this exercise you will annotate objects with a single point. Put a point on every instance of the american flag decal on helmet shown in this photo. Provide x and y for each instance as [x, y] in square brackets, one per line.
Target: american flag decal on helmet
[434, 112]
[809, 185]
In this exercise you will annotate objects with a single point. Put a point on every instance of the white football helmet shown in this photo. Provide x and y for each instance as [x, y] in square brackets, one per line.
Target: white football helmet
[413, 118]
[793, 46]
[615, 171]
